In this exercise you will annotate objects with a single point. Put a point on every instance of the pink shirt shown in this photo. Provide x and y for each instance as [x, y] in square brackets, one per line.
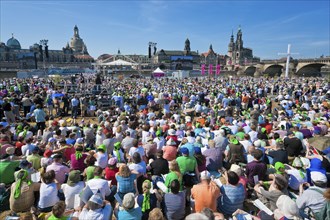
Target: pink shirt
[60, 171]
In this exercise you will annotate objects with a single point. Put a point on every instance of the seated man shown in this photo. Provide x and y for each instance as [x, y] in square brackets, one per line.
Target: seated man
[232, 194]
[205, 193]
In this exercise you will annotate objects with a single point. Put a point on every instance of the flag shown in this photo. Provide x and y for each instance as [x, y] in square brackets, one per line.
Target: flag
[218, 69]
[210, 69]
[203, 69]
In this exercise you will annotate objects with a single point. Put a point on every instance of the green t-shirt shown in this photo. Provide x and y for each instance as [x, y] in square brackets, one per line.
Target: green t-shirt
[186, 164]
[52, 217]
[170, 177]
[90, 172]
[7, 170]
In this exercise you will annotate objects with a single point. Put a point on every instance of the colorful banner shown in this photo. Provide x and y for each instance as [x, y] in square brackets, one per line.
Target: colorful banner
[218, 69]
[203, 69]
[210, 69]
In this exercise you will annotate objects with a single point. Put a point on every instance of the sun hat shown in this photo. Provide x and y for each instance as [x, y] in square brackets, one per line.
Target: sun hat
[112, 161]
[278, 166]
[128, 201]
[236, 169]
[102, 147]
[233, 140]
[287, 207]
[10, 150]
[171, 132]
[97, 199]
[318, 177]
[73, 178]
[171, 142]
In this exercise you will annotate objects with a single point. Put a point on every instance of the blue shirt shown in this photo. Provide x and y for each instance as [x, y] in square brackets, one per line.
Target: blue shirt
[231, 199]
[132, 214]
[126, 184]
[39, 115]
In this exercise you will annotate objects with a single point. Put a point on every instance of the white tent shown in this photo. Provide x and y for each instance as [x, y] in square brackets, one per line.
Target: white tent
[158, 70]
[118, 62]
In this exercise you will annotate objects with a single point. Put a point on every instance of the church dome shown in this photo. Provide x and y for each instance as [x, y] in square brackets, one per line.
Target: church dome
[76, 44]
[13, 43]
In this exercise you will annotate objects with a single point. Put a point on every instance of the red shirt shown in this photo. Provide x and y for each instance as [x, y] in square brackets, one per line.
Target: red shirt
[67, 153]
[110, 174]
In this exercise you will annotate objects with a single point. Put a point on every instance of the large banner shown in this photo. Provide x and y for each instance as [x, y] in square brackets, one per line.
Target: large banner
[218, 69]
[203, 69]
[210, 69]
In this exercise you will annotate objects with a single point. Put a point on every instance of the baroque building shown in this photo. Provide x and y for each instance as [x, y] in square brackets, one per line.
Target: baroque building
[177, 59]
[12, 56]
[237, 54]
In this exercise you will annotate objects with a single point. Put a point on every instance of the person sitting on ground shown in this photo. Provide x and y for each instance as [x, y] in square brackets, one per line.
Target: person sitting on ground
[175, 201]
[96, 208]
[232, 194]
[128, 210]
[206, 193]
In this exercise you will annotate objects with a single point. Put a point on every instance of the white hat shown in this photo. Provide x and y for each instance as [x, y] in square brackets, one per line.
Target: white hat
[318, 177]
[287, 207]
[205, 175]
[80, 140]
[170, 142]
[236, 169]
[171, 131]
[97, 198]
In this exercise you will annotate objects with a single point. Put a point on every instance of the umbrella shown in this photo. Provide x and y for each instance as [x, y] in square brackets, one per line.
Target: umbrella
[57, 95]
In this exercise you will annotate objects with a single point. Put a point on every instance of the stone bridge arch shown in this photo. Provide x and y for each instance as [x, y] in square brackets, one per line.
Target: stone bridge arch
[310, 69]
[250, 70]
[274, 70]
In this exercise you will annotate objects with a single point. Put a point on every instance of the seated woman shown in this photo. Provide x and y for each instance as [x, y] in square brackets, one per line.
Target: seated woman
[128, 210]
[174, 174]
[22, 193]
[126, 181]
[48, 192]
[147, 201]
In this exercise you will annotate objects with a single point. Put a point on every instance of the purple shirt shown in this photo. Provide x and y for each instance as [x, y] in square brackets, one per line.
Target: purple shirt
[213, 159]
[60, 171]
[78, 164]
[256, 168]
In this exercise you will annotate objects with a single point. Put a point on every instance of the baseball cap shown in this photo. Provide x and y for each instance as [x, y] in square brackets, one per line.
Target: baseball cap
[318, 177]
[184, 150]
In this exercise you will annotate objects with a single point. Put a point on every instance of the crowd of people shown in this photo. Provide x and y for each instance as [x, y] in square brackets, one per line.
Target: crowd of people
[193, 148]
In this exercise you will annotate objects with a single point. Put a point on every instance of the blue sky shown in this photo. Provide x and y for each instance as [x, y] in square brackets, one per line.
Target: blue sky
[106, 26]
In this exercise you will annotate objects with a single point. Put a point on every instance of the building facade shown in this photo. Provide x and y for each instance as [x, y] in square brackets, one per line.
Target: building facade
[12, 56]
[237, 54]
[177, 59]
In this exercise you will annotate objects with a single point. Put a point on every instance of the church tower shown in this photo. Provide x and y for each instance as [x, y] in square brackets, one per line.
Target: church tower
[187, 47]
[76, 31]
[238, 46]
[231, 46]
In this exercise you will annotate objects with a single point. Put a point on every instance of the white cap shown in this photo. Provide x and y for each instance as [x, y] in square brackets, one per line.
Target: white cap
[318, 177]
[205, 175]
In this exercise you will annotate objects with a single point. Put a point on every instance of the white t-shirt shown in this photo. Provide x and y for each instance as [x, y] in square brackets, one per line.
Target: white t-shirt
[70, 192]
[101, 160]
[48, 195]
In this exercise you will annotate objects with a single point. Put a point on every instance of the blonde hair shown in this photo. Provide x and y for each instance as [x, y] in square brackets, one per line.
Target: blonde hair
[174, 167]
[124, 171]
[156, 213]
[119, 129]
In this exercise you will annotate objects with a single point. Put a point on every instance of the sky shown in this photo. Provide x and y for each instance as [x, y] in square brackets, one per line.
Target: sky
[106, 26]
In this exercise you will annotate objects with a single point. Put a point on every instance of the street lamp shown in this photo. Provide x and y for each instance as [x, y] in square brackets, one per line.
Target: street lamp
[44, 43]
